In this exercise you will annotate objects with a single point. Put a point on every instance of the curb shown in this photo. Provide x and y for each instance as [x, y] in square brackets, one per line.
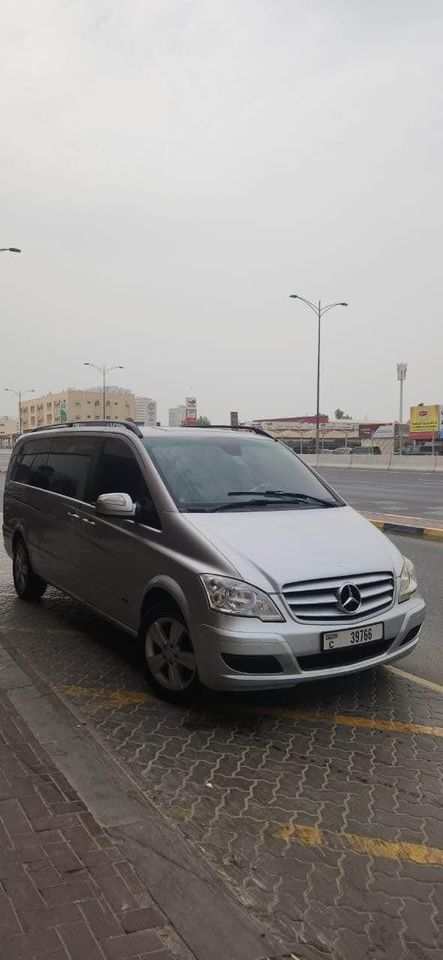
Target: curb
[196, 902]
[409, 530]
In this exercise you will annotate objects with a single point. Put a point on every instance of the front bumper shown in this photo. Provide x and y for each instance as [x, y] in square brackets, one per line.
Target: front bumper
[292, 644]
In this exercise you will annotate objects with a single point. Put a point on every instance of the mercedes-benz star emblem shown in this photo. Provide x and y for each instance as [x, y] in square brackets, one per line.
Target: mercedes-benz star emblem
[349, 598]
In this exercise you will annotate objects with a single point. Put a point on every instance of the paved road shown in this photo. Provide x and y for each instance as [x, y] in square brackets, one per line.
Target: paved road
[384, 491]
[320, 809]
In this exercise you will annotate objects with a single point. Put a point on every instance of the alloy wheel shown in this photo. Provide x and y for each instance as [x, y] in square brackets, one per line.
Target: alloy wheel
[169, 654]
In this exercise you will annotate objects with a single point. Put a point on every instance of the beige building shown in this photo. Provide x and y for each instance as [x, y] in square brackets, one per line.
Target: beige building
[146, 411]
[8, 427]
[77, 405]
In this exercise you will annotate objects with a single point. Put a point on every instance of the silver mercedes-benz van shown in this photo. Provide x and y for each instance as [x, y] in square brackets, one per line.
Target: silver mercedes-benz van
[232, 562]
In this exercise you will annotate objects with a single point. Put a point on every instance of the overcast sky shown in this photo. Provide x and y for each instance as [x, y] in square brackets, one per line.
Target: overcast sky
[174, 169]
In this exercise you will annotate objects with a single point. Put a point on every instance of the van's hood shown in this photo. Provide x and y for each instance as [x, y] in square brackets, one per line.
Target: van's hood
[269, 548]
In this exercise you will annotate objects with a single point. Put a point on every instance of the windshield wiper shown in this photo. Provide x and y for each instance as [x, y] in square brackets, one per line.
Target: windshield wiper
[236, 506]
[284, 495]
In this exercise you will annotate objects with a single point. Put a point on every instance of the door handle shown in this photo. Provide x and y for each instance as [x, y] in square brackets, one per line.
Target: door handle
[90, 522]
[74, 516]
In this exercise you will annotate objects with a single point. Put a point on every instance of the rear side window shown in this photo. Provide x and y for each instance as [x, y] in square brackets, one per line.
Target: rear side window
[28, 466]
[68, 463]
[60, 465]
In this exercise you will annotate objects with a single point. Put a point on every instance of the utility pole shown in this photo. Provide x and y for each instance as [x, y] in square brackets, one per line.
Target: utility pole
[19, 394]
[401, 377]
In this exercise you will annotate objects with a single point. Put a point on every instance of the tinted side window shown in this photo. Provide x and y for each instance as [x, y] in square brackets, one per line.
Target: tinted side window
[119, 472]
[28, 466]
[68, 465]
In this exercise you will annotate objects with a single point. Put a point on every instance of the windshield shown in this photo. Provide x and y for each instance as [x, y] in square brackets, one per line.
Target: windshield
[250, 473]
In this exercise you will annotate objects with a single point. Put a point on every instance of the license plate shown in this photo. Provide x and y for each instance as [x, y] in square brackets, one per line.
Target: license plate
[353, 637]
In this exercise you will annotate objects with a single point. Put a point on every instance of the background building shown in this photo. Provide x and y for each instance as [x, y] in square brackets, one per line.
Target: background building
[8, 428]
[146, 411]
[77, 405]
[177, 416]
[300, 433]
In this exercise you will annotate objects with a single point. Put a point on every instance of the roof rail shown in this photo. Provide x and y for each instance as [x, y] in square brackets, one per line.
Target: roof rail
[128, 424]
[229, 426]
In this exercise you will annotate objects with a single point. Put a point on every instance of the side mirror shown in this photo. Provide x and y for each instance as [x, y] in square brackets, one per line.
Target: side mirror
[115, 505]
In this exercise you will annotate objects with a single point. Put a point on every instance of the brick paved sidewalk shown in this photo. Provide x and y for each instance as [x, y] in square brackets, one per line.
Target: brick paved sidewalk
[66, 891]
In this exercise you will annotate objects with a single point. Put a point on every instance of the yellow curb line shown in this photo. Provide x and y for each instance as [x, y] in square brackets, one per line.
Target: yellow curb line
[430, 533]
[422, 533]
[126, 697]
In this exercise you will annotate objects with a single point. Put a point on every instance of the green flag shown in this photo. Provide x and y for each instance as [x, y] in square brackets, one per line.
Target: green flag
[63, 412]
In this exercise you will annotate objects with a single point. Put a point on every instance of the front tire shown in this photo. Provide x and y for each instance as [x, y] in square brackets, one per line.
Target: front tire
[168, 654]
[28, 585]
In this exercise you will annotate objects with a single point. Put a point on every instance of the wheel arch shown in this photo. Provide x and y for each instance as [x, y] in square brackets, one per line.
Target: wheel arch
[165, 589]
[16, 536]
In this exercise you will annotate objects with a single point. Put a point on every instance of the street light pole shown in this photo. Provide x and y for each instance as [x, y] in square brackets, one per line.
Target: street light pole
[320, 312]
[19, 394]
[10, 250]
[401, 377]
[103, 371]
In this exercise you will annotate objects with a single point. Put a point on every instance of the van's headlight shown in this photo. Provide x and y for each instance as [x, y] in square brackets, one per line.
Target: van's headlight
[408, 581]
[238, 598]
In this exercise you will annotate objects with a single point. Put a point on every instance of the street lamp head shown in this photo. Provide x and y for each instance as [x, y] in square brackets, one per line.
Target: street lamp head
[343, 304]
[293, 296]
[14, 250]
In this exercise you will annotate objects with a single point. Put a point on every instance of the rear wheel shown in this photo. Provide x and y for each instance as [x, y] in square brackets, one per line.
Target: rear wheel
[168, 654]
[27, 584]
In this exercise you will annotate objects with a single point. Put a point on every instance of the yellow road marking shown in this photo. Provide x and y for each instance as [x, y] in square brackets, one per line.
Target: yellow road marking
[310, 836]
[365, 723]
[57, 631]
[375, 846]
[418, 680]
[119, 697]
[124, 697]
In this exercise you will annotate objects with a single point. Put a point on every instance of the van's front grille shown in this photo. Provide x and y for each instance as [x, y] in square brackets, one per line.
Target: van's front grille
[331, 600]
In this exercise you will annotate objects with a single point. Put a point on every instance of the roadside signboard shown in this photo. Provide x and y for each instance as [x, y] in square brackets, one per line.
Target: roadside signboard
[425, 421]
[191, 411]
[234, 418]
[385, 430]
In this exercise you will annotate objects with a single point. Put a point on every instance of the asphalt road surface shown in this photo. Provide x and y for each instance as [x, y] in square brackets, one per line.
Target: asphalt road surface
[4, 458]
[386, 491]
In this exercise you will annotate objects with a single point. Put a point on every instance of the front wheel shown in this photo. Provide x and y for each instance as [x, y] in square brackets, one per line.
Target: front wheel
[27, 584]
[168, 654]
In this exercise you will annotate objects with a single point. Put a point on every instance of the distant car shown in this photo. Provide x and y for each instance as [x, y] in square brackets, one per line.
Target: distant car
[366, 450]
[426, 450]
[356, 450]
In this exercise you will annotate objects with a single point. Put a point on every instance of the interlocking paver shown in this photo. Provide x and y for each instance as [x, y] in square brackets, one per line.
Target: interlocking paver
[234, 778]
[53, 906]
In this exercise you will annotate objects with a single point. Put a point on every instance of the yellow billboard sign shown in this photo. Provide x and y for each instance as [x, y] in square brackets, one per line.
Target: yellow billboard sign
[425, 419]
